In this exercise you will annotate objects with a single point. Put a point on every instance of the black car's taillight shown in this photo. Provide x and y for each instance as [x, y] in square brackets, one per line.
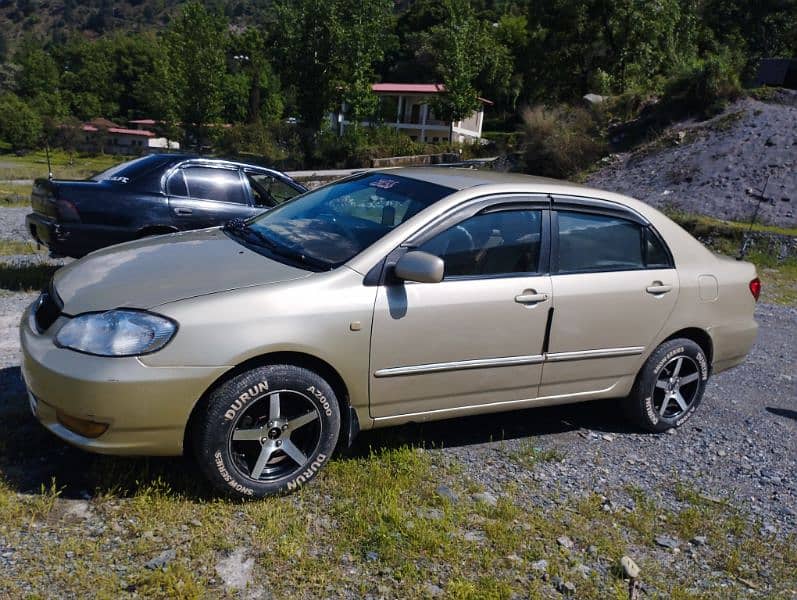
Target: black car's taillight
[66, 210]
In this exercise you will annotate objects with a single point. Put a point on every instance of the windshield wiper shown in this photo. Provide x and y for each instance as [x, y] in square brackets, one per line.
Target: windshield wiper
[239, 228]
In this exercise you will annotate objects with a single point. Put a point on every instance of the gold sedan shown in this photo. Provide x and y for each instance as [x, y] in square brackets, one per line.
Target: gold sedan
[391, 296]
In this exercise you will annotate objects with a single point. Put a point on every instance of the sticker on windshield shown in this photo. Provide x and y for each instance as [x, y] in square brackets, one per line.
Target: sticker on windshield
[384, 183]
[119, 179]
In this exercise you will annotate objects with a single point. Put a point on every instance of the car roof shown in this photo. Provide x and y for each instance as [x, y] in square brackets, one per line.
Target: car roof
[459, 178]
[174, 158]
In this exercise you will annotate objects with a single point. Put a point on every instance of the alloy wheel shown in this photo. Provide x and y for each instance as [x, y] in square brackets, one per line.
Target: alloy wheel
[676, 387]
[275, 436]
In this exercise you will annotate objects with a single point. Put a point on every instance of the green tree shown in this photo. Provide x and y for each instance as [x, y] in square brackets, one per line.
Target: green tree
[88, 78]
[329, 52]
[38, 80]
[252, 89]
[764, 28]
[189, 73]
[20, 126]
[468, 57]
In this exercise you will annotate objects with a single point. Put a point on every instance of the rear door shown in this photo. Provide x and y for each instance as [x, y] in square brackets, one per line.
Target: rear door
[614, 286]
[205, 196]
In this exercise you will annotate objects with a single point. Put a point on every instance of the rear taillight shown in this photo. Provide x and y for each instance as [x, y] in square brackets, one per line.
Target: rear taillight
[755, 288]
[66, 210]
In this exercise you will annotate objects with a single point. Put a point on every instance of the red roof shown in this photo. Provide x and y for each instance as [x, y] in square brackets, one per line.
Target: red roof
[118, 130]
[123, 131]
[407, 88]
[413, 88]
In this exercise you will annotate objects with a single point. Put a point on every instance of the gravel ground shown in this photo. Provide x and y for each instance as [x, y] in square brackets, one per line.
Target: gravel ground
[706, 167]
[12, 224]
[740, 446]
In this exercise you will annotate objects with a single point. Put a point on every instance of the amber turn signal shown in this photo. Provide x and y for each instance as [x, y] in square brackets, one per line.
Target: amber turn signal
[84, 427]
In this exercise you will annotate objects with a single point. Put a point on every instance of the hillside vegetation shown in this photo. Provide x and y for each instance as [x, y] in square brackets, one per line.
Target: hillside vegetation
[192, 66]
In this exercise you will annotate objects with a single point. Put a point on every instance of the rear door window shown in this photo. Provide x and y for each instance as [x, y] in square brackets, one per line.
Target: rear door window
[221, 185]
[593, 243]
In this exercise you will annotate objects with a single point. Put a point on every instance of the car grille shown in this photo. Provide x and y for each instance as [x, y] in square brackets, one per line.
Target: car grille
[46, 311]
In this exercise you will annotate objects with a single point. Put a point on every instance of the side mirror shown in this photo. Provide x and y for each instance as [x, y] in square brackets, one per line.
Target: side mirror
[421, 267]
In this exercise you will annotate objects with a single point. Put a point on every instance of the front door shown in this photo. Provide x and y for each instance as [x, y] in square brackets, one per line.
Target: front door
[475, 338]
[614, 286]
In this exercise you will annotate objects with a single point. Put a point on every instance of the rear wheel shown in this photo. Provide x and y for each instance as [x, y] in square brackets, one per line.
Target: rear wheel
[267, 431]
[669, 387]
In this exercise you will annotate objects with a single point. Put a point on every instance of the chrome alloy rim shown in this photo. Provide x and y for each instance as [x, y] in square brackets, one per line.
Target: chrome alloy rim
[275, 435]
[676, 387]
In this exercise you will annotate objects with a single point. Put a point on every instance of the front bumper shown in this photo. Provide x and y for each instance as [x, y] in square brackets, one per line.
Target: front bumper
[146, 408]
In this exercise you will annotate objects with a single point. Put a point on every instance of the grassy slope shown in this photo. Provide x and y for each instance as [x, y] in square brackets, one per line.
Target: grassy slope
[778, 275]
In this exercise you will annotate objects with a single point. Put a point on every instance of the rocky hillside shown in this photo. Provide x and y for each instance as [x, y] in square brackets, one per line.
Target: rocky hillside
[707, 167]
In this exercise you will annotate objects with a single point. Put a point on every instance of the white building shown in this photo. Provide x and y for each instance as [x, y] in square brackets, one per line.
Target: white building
[407, 108]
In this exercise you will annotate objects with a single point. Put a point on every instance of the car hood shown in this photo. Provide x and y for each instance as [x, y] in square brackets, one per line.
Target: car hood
[153, 271]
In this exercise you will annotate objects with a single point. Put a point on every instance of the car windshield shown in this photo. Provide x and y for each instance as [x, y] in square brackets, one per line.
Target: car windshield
[130, 170]
[325, 228]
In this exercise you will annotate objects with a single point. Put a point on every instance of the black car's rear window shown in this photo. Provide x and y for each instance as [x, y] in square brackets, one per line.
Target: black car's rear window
[133, 169]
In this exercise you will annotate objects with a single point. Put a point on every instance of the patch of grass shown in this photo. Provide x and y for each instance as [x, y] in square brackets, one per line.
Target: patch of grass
[528, 455]
[64, 165]
[765, 93]
[777, 273]
[25, 278]
[13, 195]
[486, 588]
[14, 247]
[705, 225]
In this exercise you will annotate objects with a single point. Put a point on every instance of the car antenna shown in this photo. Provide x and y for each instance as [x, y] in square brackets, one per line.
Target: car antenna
[49, 167]
[760, 196]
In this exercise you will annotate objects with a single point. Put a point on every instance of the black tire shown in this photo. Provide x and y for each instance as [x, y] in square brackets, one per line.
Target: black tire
[239, 435]
[669, 387]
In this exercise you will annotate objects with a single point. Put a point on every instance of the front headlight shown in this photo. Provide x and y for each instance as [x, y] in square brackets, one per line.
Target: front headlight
[116, 333]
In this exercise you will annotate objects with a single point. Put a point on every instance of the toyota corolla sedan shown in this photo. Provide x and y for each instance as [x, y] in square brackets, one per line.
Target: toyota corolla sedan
[388, 297]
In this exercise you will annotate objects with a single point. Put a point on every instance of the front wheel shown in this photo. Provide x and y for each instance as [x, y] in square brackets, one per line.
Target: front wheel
[267, 431]
[669, 387]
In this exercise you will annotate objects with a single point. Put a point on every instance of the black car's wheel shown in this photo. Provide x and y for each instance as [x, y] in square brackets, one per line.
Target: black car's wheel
[266, 431]
[669, 387]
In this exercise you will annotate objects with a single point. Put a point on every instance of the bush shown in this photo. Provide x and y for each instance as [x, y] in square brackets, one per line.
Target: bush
[20, 125]
[357, 146]
[704, 86]
[561, 141]
[275, 144]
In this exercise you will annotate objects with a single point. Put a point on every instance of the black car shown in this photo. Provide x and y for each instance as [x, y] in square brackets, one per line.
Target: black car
[152, 195]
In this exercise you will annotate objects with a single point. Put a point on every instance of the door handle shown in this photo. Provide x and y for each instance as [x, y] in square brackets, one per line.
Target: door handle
[657, 287]
[183, 211]
[530, 297]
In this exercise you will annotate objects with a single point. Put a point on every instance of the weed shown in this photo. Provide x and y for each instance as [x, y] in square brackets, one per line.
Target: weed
[529, 455]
